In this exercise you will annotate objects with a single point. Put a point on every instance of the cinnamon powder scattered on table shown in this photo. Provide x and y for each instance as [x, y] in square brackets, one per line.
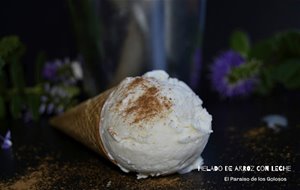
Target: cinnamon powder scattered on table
[52, 173]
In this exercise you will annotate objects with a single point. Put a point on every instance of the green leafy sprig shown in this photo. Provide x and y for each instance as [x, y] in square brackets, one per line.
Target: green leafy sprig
[50, 94]
[275, 59]
[13, 91]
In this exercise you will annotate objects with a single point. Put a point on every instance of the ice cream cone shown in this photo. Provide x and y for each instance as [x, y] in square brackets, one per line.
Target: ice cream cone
[83, 123]
[129, 125]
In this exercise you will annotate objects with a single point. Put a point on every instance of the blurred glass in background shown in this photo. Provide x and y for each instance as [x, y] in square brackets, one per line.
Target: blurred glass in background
[121, 38]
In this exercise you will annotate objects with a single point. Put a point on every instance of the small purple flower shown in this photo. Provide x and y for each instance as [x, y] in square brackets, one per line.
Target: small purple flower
[42, 108]
[62, 77]
[6, 142]
[50, 108]
[220, 70]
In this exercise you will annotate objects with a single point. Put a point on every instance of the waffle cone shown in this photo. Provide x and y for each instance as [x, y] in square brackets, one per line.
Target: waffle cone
[83, 122]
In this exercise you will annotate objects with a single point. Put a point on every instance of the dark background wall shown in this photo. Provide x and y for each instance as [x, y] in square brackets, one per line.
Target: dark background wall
[260, 18]
[41, 25]
[46, 25]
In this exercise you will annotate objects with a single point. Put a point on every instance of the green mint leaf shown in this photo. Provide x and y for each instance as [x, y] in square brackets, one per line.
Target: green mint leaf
[267, 81]
[263, 50]
[17, 75]
[239, 42]
[277, 48]
[11, 46]
[288, 73]
[72, 91]
[244, 71]
[287, 45]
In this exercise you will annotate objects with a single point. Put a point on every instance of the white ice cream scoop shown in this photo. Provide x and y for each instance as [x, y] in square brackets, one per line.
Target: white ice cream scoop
[154, 125]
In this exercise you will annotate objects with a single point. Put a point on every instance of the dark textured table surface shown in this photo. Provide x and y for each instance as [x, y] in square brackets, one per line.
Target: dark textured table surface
[43, 158]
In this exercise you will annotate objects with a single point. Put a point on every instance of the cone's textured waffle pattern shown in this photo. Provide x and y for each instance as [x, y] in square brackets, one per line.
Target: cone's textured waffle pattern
[82, 122]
